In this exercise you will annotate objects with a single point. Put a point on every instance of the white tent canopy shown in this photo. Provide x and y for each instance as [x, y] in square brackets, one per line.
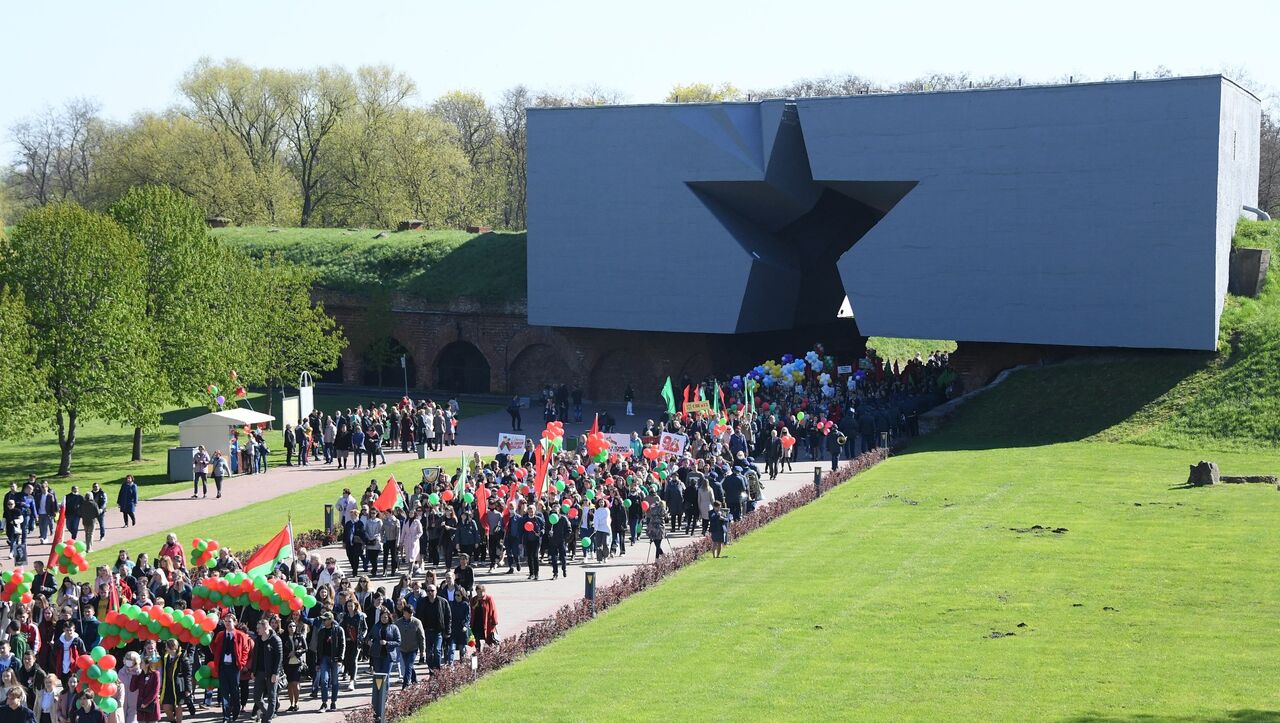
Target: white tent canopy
[213, 430]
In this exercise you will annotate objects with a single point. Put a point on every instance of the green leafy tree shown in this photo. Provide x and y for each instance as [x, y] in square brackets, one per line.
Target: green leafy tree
[85, 295]
[22, 383]
[703, 93]
[280, 331]
[180, 298]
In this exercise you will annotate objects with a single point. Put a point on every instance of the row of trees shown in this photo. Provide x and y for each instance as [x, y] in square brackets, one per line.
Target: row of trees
[323, 147]
[119, 315]
[331, 147]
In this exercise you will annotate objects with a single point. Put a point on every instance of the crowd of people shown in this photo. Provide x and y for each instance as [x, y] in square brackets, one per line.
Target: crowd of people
[363, 434]
[442, 540]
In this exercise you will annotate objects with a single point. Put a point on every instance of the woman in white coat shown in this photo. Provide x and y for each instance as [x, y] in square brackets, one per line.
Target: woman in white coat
[410, 533]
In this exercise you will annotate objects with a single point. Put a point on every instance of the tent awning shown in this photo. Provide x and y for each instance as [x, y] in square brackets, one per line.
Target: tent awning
[228, 417]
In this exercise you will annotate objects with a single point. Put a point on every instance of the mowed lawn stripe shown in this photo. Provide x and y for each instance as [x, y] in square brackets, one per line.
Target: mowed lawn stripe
[908, 595]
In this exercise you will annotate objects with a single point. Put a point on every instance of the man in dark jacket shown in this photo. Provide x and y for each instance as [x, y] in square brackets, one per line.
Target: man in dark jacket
[433, 611]
[267, 657]
[329, 648]
[532, 527]
[88, 517]
[734, 485]
[72, 502]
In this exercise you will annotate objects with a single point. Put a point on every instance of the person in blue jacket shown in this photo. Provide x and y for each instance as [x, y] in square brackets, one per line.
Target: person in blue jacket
[127, 500]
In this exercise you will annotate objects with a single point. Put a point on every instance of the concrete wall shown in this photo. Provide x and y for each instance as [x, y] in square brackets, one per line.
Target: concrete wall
[1087, 215]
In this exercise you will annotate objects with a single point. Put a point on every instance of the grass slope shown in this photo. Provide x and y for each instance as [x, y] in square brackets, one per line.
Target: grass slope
[906, 594]
[436, 266]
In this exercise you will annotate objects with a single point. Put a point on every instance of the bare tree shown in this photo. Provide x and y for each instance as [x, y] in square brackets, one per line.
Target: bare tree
[314, 102]
[1269, 165]
[512, 119]
[58, 152]
[472, 123]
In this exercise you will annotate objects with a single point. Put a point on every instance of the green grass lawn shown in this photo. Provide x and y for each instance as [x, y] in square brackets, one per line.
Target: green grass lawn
[436, 266]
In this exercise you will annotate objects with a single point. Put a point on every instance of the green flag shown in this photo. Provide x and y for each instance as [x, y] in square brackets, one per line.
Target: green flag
[751, 395]
[715, 399]
[669, 397]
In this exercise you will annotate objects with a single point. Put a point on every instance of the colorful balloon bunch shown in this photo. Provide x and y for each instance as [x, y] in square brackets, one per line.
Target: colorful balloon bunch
[16, 585]
[272, 596]
[553, 436]
[205, 677]
[152, 622]
[98, 676]
[597, 446]
[204, 552]
[68, 556]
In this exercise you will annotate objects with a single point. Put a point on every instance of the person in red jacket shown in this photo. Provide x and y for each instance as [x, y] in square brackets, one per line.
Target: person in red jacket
[484, 618]
[230, 648]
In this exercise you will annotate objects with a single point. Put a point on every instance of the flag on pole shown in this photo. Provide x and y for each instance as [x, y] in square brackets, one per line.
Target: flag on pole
[669, 397]
[685, 407]
[57, 535]
[540, 470]
[717, 399]
[751, 395]
[595, 424]
[277, 550]
[461, 485]
[390, 497]
[482, 505]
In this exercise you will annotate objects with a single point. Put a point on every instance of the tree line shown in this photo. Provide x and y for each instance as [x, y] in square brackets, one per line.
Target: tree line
[120, 314]
[332, 147]
[320, 147]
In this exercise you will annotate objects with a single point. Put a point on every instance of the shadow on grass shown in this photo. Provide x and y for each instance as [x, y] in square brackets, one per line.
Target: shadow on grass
[491, 266]
[1063, 403]
[1244, 715]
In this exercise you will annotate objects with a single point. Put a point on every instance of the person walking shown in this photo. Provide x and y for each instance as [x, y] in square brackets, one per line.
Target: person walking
[330, 648]
[100, 501]
[47, 510]
[655, 523]
[72, 502]
[600, 536]
[384, 643]
[293, 649]
[290, 444]
[88, 517]
[200, 465]
[147, 685]
[127, 500]
[459, 624]
[629, 397]
[413, 638]
[719, 523]
[176, 681]
[433, 611]
[513, 408]
[391, 523]
[230, 649]
[221, 470]
[268, 657]
[484, 618]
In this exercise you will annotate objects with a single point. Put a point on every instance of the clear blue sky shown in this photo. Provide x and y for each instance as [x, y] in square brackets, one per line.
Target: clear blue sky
[129, 55]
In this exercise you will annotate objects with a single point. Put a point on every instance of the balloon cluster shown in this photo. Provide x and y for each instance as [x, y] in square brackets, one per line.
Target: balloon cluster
[204, 552]
[153, 622]
[68, 556]
[272, 596]
[553, 436]
[16, 585]
[205, 677]
[597, 447]
[98, 676]
[790, 370]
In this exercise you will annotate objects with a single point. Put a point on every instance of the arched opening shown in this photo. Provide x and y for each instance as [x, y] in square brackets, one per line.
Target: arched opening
[461, 367]
[380, 364]
[536, 365]
[614, 371]
[695, 367]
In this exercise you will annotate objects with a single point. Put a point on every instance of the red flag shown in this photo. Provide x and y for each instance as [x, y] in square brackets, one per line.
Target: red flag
[390, 497]
[540, 470]
[685, 405]
[113, 602]
[721, 390]
[595, 424]
[57, 535]
[482, 505]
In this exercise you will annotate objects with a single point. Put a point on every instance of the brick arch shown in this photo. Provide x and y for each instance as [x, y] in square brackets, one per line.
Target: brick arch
[613, 370]
[462, 367]
[537, 364]
[435, 334]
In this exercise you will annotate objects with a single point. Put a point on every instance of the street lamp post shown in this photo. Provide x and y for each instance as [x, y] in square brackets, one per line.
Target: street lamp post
[404, 371]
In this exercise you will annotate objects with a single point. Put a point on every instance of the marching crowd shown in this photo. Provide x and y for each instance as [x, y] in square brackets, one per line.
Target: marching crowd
[440, 539]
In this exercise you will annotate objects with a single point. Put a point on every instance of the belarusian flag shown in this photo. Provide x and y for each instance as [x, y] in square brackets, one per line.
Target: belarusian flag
[277, 550]
[390, 497]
